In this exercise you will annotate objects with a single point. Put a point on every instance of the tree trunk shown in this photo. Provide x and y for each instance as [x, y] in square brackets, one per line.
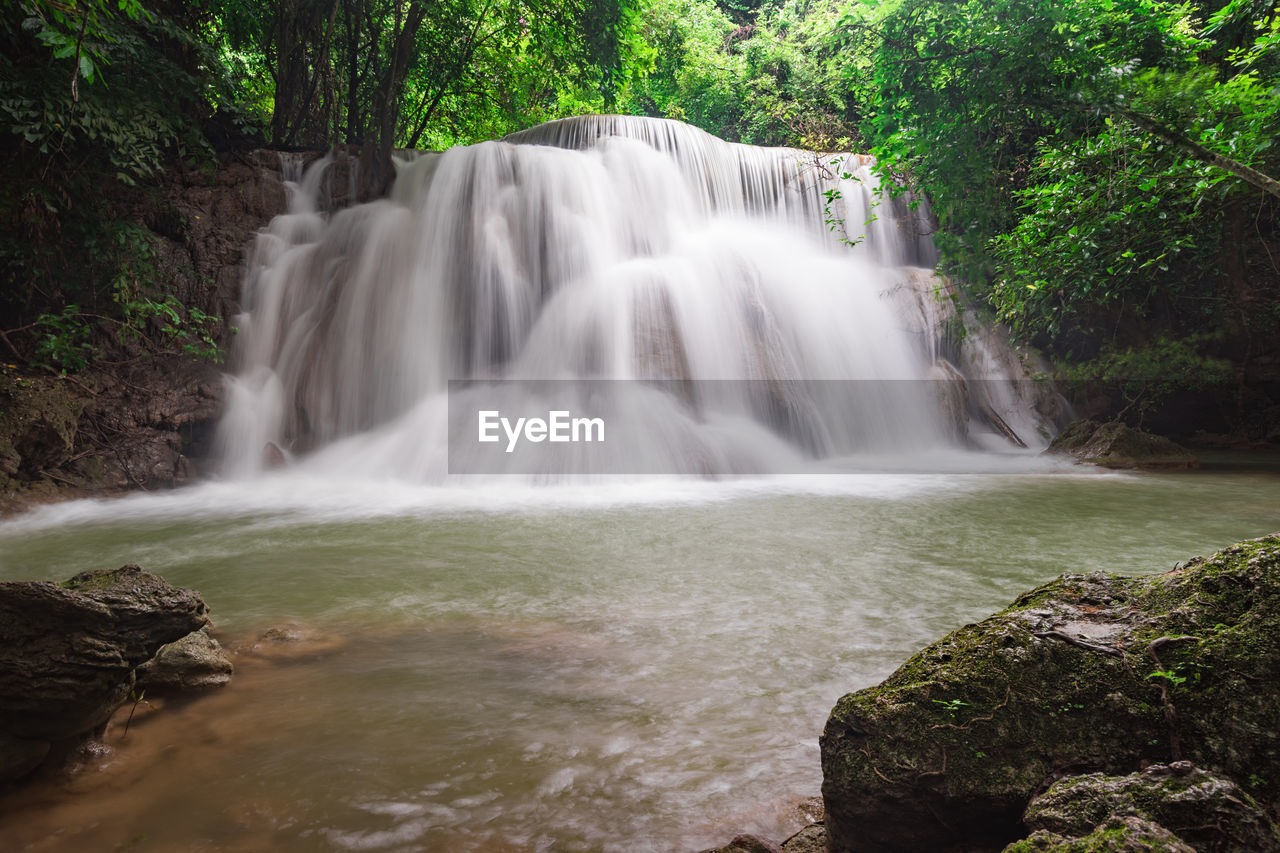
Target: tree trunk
[376, 171]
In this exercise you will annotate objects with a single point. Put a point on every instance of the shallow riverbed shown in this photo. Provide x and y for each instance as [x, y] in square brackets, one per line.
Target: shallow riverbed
[605, 667]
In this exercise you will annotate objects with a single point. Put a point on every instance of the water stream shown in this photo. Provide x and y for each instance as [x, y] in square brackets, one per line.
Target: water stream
[621, 668]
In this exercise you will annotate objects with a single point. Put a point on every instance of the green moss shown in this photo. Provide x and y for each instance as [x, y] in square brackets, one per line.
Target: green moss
[982, 717]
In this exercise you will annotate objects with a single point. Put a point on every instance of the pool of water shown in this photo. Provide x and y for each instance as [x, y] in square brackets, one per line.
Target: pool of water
[615, 667]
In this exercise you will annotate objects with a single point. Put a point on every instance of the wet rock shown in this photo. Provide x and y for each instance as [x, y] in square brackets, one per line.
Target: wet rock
[19, 756]
[68, 652]
[292, 642]
[39, 428]
[151, 425]
[1115, 445]
[811, 839]
[1089, 673]
[1203, 809]
[1117, 835]
[195, 662]
[747, 844]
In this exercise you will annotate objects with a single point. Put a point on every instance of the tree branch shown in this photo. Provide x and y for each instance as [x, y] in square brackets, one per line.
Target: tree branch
[1246, 173]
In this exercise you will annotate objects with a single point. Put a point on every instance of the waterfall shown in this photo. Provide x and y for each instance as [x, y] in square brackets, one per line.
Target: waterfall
[694, 294]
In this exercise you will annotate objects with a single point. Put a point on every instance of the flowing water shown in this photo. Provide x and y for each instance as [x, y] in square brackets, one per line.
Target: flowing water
[635, 251]
[622, 668]
[564, 661]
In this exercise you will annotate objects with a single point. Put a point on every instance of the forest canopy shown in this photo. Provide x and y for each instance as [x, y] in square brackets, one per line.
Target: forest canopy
[1104, 171]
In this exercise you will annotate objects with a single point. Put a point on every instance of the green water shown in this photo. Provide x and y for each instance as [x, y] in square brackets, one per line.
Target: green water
[614, 668]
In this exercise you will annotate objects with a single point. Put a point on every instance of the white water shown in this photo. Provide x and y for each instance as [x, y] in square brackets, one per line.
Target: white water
[615, 248]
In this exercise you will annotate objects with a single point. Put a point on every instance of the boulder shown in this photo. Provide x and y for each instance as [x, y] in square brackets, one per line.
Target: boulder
[195, 662]
[1202, 809]
[811, 839]
[1117, 835]
[1115, 445]
[747, 844]
[68, 653]
[1089, 673]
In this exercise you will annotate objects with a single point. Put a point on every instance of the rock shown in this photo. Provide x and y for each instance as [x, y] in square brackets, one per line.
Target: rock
[1089, 673]
[292, 642]
[129, 422]
[1115, 445]
[19, 756]
[1117, 835]
[1205, 810]
[195, 662]
[811, 839]
[151, 422]
[67, 652]
[747, 844]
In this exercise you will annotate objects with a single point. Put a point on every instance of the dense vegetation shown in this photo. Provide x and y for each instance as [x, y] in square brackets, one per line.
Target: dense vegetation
[1103, 170]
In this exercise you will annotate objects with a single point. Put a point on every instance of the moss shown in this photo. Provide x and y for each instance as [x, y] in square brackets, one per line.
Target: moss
[116, 580]
[1205, 810]
[1064, 681]
[1118, 838]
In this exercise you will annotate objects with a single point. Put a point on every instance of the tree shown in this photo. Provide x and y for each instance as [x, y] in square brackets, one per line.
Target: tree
[379, 74]
[1094, 164]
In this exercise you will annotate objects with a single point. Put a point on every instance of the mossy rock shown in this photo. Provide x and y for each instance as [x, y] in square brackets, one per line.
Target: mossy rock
[1117, 835]
[1089, 673]
[1115, 445]
[1203, 810]
[40, 419]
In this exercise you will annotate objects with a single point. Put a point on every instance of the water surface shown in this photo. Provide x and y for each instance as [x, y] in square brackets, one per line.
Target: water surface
[604, 667]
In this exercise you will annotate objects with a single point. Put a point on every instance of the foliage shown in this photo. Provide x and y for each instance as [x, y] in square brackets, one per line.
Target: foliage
[962, 92]
[768, 75]
[386, 73]
[81, 32]
[96, 96]
[1147, 374]
[1113, 231]
[1103, 170]
[63, 342]
[140, 315]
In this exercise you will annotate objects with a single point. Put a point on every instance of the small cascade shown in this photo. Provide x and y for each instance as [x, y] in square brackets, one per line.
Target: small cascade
[705, 276]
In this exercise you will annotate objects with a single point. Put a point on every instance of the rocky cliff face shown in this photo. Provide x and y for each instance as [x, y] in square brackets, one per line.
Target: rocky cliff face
[144, 423]
[205, 222]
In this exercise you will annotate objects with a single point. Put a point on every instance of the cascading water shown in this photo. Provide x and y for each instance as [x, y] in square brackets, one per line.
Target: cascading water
[613, 248]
